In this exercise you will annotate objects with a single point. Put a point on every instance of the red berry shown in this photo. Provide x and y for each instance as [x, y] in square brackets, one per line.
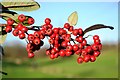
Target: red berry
[8, 29]
[80, 39]
[56, 30]
[36, 41]
[80, 60]
[80, 31]
[21, 18]
[53, 35]
[68, 53]
[75, 47]
[42, 36]
[47, 20]
[51, 41]
[62, 31]
[62, 53]
[22, 35]
[95, 37]
[15, 32]
[78, 52]
[64, 36]
[56, 49]
[69, 48]
[86, 58]
[19, 26]
[88, 49]
[57, 37]
[45, 27]
[30, 37]
[75, 32]
[56, 55]
[84, 52]
[30, 46]
[81, 46]
[30, 55]
[64, 44]
[84, 42]
[95, 47]
[92, 58]
[97, 41]
[67, 25]
[48, 52]
[36, 34]
[24, 29]
[53, 51]
[52, 56]
[96, 53]
[31, 21]
[68, 38]
[49, 32]
[50, 26]
[10, 22]
[71, 28]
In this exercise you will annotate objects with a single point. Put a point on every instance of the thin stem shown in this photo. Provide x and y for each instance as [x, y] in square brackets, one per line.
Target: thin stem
[73, 40]
[3, 72]
[88, 36]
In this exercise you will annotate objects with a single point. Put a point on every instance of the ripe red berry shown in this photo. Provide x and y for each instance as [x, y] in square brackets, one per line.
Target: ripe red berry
[56, 55]
[21, 18]
[53, 35]
[86, 58]
[30, 37]
[36, 41]
[95, 37]
[78, 52]
[95, 47]
[51, 41]
[30, 55]
[71, 28]
[69, 48]
[92, 58]
[52, 56]
[31, 21]
[24, 29]
[47, 20]
[97, 41]
[75, 47]
[36, 34]
[62, 53]
[75, 32]
[80, 31]
[49, 32]
[42, 36]
[57, 37]
[56, 30]
[10, 22]
[30, 46]
[64, 44]
[81, 46]
[62, 31]
[84, 42]
[84, 52]
[8, 29]
[56, 49]
[53, 51]
[67, 25]
[96, 53]
[68, 53]
[48, 52]
[15, 32]
[88, 49]
[68, 38]
[22, 35]
[80, 39]
[80, 60]
[50, 26]
[19, 26]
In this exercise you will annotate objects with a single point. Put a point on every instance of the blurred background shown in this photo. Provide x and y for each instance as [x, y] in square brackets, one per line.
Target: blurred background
[17, 65]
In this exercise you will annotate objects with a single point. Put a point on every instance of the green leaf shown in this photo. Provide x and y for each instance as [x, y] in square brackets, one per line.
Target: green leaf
[20, 5]
[73, 18]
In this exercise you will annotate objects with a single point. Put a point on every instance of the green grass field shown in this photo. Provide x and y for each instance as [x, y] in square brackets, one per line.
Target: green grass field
[106, 66]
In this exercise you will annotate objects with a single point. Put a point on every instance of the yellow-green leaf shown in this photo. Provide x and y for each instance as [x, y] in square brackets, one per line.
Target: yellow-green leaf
[73, 18]
[20, 5]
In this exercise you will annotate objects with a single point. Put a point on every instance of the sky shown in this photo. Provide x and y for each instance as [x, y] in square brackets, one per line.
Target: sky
[89, 13]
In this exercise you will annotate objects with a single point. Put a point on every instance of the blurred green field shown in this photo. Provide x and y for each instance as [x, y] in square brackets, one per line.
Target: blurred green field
[106, 66]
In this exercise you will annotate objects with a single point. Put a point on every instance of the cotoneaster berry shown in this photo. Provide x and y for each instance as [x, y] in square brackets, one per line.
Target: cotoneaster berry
[61, 40]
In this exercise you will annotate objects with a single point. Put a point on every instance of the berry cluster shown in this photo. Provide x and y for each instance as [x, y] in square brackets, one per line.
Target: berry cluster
[60, 40]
